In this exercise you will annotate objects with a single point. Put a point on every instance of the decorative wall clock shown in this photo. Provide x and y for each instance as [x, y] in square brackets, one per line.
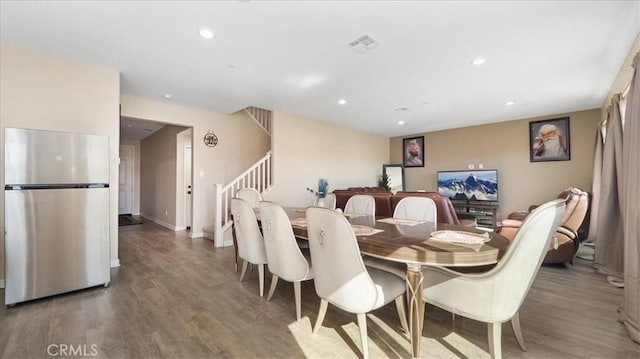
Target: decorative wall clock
[210, 139]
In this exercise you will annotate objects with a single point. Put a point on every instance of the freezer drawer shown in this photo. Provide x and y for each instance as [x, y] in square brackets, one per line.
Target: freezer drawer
[49, 157]
[57, 240]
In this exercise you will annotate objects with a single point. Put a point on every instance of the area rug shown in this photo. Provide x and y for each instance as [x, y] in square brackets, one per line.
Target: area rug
[127, 220]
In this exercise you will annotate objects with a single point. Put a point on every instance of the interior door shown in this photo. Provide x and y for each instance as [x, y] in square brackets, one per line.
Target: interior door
[125, 192]
[187, 183]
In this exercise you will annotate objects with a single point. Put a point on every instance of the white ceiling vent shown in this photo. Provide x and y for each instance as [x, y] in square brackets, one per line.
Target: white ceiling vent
[363, 44]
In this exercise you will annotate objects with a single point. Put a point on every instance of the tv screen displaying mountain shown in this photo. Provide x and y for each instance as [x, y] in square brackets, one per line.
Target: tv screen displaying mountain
[472, 185]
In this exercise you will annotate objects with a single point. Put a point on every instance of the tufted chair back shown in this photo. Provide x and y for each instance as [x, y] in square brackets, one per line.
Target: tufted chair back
[416, 208]
[361, 204]
[250, 195]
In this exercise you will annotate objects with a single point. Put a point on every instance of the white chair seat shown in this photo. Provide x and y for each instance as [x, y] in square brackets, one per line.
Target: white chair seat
[388, 286]
[396, 268]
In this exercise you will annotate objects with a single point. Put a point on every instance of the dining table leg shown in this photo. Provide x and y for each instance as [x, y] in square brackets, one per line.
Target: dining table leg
[415, 304]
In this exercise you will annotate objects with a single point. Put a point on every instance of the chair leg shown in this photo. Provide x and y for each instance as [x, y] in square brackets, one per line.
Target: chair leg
[274, 284]
[235, 249]
[402, 313]
[245, 264]
[362, 325]
[261, 278]
[297, 290]
[515, 324]
[494, 331]
[321, 313]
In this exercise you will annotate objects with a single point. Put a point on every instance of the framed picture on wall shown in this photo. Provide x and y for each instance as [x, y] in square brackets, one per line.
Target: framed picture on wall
[549, 140]
[413, 152]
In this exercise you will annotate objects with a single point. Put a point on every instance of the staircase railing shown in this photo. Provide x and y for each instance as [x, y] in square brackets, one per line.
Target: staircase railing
[257, 176]
[261, 116]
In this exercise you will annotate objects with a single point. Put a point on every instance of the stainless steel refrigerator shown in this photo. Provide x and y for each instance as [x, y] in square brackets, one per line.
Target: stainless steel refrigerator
[56, 213]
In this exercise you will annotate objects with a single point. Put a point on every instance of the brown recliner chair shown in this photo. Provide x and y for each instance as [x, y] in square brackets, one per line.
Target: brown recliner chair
[573, 226]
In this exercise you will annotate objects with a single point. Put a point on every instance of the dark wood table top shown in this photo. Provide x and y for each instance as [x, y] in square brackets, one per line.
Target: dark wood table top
[411, 244]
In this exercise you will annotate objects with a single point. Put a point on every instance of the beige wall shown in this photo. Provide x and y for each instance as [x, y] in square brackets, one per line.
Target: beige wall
[505, 146]
[158, 175]
[306, 149]
[136, 174]
[41, 91]
[241, 143]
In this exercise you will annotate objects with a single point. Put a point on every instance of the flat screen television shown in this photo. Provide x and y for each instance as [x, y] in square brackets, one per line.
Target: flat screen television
[471, 185]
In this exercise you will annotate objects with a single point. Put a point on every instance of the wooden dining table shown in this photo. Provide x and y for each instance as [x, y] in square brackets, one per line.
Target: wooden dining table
[412, 245]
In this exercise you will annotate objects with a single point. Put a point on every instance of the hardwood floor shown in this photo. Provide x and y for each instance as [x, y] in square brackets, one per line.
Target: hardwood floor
[175, 297]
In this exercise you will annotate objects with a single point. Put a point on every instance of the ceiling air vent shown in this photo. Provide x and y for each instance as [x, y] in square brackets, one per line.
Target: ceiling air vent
[363, 44]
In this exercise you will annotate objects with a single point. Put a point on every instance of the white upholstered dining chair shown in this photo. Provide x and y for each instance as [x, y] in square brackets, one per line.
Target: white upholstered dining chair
[341, 277]
[329, 201]
[361, 204]
[250, 195]
[285, 259]
[251, 247]
[495, 296]
[416, 208]
[413, 208]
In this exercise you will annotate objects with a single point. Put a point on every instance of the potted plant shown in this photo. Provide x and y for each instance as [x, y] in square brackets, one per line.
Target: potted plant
[321, 193]
[384, 181]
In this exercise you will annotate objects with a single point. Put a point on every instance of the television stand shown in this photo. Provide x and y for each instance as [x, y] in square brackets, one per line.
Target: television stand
[485, 213]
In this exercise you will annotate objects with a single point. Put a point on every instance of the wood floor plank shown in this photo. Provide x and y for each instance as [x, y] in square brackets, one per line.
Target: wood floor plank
[176, 297]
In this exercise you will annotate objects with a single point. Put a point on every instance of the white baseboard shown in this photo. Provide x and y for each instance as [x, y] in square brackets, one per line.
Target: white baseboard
[115, 263]
[196, 234]
[227, 243]
[1, 283]
[180, 228]
[159, 221]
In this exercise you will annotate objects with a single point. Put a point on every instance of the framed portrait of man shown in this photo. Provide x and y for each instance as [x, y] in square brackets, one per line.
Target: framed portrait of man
[549, 140]
[413, 152]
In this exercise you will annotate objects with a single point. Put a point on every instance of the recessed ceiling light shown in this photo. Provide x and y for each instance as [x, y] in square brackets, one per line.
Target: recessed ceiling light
[168, 96]
[509, 103]
[206, 33]
[400, 123]
[478, 61]
[342, 101]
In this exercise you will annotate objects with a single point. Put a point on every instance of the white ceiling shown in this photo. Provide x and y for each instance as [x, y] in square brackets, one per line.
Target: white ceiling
[547, 56]
[136, 129]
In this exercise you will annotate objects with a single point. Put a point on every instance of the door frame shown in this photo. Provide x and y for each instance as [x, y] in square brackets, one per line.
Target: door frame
[131, 177]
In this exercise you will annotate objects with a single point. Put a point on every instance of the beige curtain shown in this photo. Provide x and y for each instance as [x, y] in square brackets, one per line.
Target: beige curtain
[595, 187]
[631, 206]
[609, 251]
